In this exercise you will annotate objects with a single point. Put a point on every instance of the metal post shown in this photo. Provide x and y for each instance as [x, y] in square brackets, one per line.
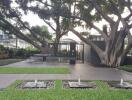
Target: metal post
[72, 53]
[83, 54]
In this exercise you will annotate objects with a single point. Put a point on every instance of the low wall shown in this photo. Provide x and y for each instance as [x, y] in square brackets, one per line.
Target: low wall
[128, 60]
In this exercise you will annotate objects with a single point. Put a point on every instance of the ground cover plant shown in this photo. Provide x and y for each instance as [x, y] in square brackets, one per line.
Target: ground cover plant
[126, 68]
[30, 70]
[102, 92]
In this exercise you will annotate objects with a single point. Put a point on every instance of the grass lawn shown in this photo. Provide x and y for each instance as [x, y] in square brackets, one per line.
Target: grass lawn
[9, 61]
[126, 68]
[22, 70]
[103, 92]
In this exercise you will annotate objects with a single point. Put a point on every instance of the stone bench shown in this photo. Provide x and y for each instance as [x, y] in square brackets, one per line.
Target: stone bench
[59, 59]
[51, 58]
[34, 58]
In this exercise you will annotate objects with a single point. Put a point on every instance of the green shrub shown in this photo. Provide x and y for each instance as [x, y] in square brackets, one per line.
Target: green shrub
[16, 53]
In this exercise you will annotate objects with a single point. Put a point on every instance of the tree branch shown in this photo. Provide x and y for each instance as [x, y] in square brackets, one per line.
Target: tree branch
[98, 8]
[45, 3]
[100, 32]
[130, 26]
[33, 34]
[93, 26]
[129, 46]
[20, 34]
[129, 8]
[128, 17]
[49, 24]
[126, 50]
[63, 33]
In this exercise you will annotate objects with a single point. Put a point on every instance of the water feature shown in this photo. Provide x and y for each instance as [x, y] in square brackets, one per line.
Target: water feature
[120, 84]
[79, 84]
[121, 81]
[79, 81]
[124, 84]
[34, 84]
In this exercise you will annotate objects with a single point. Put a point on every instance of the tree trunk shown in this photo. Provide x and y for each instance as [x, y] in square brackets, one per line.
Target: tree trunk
[112, 60]
[114, 53]
[56, 44]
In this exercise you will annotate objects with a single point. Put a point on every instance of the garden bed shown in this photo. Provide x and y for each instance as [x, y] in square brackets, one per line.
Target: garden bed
[127, 68]
[103, 92]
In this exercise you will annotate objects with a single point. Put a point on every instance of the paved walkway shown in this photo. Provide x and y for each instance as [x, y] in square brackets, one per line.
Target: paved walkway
[85, 71]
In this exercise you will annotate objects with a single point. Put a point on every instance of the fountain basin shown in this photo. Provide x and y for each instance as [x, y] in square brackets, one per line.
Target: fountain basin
[41, 84]
[82, 84]
[124, 85]
[34, 85]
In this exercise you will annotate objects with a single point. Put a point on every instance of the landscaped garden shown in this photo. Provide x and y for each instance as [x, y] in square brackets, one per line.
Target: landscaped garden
[126, 68]
[98, 32]
[34, 70]
[101, 92]
[13, 55]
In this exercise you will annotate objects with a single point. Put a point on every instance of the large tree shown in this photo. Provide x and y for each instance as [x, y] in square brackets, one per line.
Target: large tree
[43, 8]
[117, 14]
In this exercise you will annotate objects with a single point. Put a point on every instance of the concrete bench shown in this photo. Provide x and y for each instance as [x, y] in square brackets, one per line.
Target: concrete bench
[51, 58]
[59, 59]
[33, 58]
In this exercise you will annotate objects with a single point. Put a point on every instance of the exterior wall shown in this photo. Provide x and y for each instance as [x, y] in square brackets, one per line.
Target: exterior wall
[128, 60]
[87, 54]
[90, 55]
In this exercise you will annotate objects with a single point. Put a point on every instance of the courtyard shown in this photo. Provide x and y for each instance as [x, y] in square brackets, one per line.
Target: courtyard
[86, 72]
[65, 49]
